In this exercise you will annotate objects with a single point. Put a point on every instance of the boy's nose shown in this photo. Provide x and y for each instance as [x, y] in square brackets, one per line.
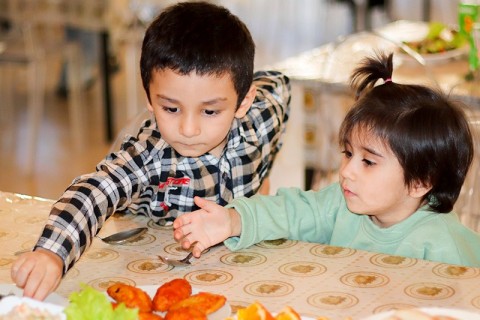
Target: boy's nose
[189, 127]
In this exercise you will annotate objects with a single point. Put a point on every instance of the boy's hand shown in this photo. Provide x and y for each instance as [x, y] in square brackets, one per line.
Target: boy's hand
[38, 273]
[206, 227]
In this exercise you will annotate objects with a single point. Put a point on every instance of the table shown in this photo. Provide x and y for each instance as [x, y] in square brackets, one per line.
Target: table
[315, 279]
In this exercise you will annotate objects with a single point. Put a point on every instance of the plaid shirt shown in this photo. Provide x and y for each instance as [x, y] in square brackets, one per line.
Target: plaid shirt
[148, 177]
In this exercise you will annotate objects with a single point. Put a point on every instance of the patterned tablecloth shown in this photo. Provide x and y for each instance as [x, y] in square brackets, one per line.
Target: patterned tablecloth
[315, 279]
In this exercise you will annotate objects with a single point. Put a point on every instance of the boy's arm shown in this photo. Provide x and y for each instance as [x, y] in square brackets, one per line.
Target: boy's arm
[38, 273]
[83, 208]
[269, 114]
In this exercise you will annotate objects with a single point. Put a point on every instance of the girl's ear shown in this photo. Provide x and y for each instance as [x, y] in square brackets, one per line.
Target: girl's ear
[246, 102]
[419, 189]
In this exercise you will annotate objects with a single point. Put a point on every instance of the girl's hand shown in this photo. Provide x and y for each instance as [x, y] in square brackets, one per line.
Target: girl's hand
[38, 273]
[209, 225]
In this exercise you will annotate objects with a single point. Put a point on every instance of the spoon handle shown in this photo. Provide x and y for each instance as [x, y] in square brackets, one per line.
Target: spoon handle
[187, 258]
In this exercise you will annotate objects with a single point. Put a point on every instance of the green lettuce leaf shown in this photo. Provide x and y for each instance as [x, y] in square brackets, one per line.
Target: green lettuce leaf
[89, 303]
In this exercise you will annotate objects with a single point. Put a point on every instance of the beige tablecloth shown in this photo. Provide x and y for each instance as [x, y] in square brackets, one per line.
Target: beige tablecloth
[315, 279]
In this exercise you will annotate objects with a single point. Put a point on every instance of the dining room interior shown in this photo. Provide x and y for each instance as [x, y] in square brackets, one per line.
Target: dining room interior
[69, 132]
[70, 90]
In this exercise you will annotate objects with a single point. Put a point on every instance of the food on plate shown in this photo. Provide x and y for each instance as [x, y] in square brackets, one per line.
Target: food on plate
[170, 293]
[131, 296]
[186, 313]
[149, 316]
[89, 303]
[416, 314]
[255, 311]
[287, 313]
[205, 301]
[173, 300]
[440, 38]
[25, 312]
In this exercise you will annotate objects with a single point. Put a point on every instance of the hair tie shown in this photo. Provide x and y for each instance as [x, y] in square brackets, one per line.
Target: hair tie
[387, 80]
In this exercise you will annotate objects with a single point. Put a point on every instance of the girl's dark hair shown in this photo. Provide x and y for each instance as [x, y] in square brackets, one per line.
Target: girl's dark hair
[200, 37]
[427, 132]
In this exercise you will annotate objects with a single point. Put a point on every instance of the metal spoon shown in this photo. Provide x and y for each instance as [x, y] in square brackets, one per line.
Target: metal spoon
[185, 262]
[116, 238]
[124, 236]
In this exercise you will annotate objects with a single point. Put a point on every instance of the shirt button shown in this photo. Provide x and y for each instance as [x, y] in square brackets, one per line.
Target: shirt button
[225, 176]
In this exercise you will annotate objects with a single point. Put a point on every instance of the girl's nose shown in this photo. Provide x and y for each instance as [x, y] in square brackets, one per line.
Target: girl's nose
[346, 169]
[189, 127]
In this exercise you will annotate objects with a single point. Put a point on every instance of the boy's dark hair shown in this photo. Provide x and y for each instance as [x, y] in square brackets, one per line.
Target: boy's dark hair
[426, 131]
[199, 37]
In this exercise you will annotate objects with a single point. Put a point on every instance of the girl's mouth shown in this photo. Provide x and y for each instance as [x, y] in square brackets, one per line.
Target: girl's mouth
[347, 192]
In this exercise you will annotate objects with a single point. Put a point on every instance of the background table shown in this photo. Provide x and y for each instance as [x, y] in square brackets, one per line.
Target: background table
[315, 279]
[322, 95]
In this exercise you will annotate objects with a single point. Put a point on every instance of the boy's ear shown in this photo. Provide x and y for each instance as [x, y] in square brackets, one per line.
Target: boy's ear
[246, 102]
[149, 106]
[419, 189]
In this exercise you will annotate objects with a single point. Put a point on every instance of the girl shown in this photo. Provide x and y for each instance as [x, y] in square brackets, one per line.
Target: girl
[406, 152]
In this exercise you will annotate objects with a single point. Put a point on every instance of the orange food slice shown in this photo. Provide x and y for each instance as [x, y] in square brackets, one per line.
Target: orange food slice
[186, 313]
[255, 311]
[206, 301]
[287, 313]
[149, 316]
[170, 293]
[133, 297]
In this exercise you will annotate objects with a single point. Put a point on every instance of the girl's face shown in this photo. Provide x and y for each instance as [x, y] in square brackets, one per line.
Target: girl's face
[372, 181]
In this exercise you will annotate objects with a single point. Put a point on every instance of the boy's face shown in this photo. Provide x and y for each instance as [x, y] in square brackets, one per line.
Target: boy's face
[372, 181]
[194, 113]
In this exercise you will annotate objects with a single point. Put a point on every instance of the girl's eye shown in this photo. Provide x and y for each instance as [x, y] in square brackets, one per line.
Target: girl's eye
[170, 109]
[210, 112]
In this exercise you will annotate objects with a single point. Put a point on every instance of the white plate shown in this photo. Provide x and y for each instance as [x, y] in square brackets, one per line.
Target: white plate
[407, 31]
[455, 313]
[437, 57]
[54, 298]
[10, 302]
[220, 314]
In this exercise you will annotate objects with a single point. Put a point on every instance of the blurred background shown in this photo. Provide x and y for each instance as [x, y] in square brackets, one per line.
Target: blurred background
[69, 77]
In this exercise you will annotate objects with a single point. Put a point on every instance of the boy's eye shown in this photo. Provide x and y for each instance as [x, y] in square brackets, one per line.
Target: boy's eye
[347, 154]
[170, 109]
[368, 163]
[210, 112]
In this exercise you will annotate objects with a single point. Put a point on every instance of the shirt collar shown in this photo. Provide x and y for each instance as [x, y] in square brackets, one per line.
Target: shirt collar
[236, 135]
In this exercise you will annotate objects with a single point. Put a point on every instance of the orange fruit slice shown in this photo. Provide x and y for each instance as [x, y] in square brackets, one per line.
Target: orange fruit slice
[288, 313]
[255, 311]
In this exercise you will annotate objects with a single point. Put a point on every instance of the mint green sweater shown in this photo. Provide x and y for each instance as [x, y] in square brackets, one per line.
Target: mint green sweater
[323, 217]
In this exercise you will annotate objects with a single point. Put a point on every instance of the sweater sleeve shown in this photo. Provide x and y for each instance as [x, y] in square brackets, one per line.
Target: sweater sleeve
[292, 213]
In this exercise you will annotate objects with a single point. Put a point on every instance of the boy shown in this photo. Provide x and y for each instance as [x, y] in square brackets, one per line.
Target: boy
[216, 135]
